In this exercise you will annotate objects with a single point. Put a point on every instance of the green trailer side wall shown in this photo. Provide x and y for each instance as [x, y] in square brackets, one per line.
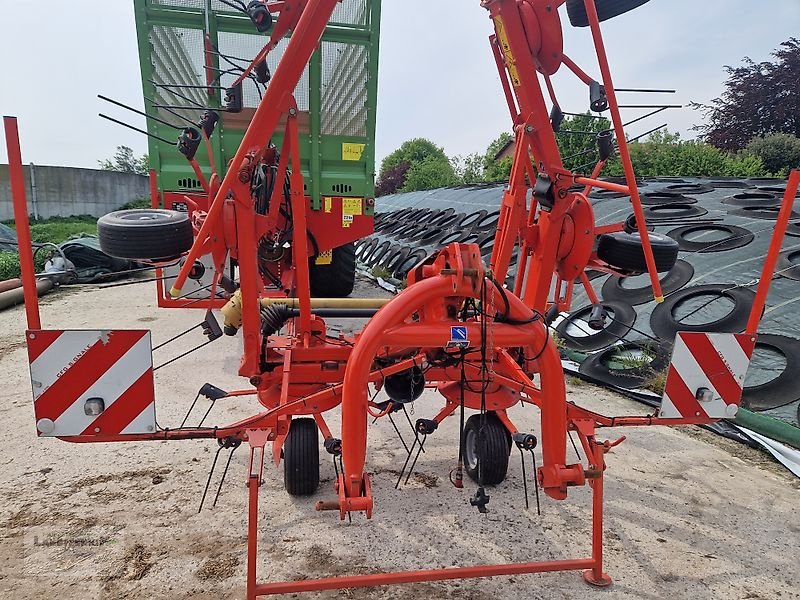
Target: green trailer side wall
[326, 173]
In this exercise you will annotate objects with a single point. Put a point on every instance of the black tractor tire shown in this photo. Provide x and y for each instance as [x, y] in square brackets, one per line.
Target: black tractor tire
[486, 447]
[301, 458]
[596, 366]
[335, 280]
[616, 328]
[738, 237]
[145, 233]
[675, 279]
[606, 9]
[665, 325]
[624, 251]
[783, 389]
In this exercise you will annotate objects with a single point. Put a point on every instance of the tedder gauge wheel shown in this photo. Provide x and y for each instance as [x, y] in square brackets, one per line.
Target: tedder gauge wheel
[487, 445]
[624, 251]
[606, 9]
[301, 458]
[336, 279]
[145, 233]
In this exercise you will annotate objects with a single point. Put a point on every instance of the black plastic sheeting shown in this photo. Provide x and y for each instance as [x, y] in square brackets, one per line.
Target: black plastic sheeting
[8, 239]
[740, 217]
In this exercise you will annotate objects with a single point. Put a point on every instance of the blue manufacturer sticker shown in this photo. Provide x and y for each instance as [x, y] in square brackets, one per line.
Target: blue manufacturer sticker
[458, 334]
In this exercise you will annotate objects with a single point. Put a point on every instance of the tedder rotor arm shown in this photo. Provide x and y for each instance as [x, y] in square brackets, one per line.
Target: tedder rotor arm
[528, 42]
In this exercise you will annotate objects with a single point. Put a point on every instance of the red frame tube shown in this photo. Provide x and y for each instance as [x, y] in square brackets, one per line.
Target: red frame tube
[27, 269]
[771, 260]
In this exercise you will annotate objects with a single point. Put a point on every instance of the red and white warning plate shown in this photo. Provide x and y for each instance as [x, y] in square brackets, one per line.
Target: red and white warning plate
[706, 375]
[92, 382]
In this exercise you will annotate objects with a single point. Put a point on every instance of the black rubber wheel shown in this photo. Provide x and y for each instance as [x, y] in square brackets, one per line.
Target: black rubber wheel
[606, 9]
[364, 249]
[301, 458]
[441, 216]
[768, 213]
[145, 233]
[335, 280]
[487, 445]
[624, 251]
[673, 211]
[783, 389]
[413, 259]
[788, 265]
[586, 339]
[449, 222]
[606, 194]
[752, 199]
[389, 258]
[626, 373]
[729, 183]
[632, 227]
[690, 188]
[665, 325]
[431, 237]
[377, 252]
[489, 222]
[469, 222]
[677, 277]
[793, 230]
[780, 190]
[398, 259]
[737, 238]
[663, 197]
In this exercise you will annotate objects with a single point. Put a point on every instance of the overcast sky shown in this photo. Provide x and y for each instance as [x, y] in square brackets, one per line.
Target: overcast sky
[437, 76]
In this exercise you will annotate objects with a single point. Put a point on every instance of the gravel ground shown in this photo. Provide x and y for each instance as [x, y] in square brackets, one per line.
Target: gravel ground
[686, 517]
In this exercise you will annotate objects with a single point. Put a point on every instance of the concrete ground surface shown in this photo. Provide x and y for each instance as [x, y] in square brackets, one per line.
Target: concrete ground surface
[686, 517]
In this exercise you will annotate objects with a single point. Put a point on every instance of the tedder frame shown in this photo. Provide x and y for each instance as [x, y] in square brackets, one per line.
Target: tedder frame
[482, 346]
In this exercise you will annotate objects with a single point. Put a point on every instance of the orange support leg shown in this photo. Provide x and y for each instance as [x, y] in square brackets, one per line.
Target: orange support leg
[17, 177]
[772, 254]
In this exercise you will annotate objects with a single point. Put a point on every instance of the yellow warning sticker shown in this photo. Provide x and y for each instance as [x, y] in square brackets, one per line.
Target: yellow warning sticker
[352, 151]
[352, 206]
[324, 258]
[511, 64]
[328, 203]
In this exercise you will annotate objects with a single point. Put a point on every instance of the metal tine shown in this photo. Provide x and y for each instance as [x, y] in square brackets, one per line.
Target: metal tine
[147, 133]
[651, 106]
[178, 94]
[138, 112]
[224, 474]
[644, 91]
[208, 481]
[193, 87]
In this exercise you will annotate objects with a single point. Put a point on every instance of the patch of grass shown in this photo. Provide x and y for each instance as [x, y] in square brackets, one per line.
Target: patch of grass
[381, 272]
[561, 345]
[576, 381]
[656, 382]
[635, 361]
[55, 231]
[9, 264]
[143, 202]
[58, 229]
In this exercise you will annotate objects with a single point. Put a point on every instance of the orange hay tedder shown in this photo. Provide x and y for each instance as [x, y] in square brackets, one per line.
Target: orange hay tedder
[256, 234]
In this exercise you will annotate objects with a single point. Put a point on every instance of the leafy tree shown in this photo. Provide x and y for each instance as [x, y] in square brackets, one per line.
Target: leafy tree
[779, 152]
[759, 99]
[497, 170]
[392, 180]
[124, 161]
[469, 168]
[428, 167]
[665, 154]
[577, 139]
